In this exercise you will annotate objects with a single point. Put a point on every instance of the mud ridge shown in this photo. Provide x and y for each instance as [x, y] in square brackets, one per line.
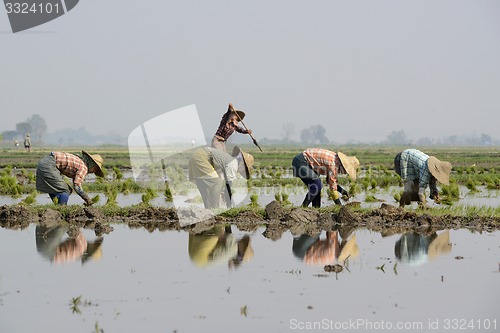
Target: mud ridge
[387, 220]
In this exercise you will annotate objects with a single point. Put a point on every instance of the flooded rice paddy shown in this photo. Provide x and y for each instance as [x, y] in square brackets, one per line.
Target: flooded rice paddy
[225, 280]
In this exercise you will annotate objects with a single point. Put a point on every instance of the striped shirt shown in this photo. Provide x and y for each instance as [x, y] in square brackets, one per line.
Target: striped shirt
[71, 166]
[414, 166]
[324, 162]
[226, 129]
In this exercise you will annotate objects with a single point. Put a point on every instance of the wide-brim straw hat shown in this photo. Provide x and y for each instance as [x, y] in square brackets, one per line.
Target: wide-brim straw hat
[98, 160]
[350, 164]
[240, 114]
[439, 169]
[248, 161]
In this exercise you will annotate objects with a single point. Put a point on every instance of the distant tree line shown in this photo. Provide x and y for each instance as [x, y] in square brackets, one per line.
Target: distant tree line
[35, 126]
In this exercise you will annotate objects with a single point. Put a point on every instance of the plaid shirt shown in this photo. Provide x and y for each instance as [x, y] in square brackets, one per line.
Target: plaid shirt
[226, 129]
[414, 166]
[71, 166]
[324, 162]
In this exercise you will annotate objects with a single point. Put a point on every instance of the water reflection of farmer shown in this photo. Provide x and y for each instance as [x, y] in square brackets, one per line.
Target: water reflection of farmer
[219, 245]
[213, 172]
[52, 244]
[315, 250]
[416, 249]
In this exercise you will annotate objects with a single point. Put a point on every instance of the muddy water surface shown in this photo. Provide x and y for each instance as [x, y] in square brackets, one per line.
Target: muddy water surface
[226, 280]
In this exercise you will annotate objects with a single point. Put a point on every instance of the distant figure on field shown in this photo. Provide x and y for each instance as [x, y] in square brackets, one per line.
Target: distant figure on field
[210, 169]
[227, 126]
[419, 170]
[16, 144]
[313, 162]
[50, 168]
[27, 143]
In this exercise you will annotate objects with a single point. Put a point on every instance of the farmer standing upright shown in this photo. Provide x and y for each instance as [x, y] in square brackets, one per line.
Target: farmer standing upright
[227, 126]
[49, 179]
[419, 170]
[313, 162]
[27, 143]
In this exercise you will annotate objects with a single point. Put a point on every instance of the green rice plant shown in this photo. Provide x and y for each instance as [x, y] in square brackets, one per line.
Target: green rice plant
[111, 193]
[118, 174]
[373, 184]
[96, 198]
[29, 200]
[365, 183]
[385, 182]
[168, 194]
[371, 198]
[354, 189]
[397, 196]
[254, 200]
[471, 185]
[450, 193]
[150, 194]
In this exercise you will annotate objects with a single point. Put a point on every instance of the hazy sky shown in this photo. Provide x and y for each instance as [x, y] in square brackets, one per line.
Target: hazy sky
[359, 68]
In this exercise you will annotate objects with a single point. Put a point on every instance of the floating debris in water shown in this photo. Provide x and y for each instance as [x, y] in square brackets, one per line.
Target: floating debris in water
[334, 268]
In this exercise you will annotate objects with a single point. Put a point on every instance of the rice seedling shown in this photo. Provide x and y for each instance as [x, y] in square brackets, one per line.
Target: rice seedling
[117, 173]
[149, 195]
[254, 200]
[471, 185]
[371, 198]
[29, 200]
[168, 194]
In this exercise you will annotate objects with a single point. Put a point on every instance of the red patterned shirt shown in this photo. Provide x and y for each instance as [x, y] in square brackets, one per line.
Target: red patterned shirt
[324, 162]
[71, 166]
[226, 129]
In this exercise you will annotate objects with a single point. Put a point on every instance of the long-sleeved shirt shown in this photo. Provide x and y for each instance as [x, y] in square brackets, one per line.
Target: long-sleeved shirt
[324, 162]
[413, 166]
[206, 162]
[226, 129]
[71, 166]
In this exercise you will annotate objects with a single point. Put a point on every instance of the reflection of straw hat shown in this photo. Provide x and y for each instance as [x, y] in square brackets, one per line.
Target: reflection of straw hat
[439, 169]
[245, 249]
[94, 251]
[350, 164]
[350, 249]
[440, 245]
[98, 160]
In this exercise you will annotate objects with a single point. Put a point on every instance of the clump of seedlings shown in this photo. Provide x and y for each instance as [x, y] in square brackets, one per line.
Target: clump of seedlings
[150, 194]
[117, 173]
[282, 198]
[254, 200]
[450, 193]
[111, 193]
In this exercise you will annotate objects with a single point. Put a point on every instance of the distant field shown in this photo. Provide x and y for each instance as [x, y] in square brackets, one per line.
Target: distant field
[277, 156]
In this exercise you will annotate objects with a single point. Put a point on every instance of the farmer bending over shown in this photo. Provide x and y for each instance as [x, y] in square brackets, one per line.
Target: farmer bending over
[227, 126]
[50, 168]
[313, 162]
[210, 169]
[419, 170]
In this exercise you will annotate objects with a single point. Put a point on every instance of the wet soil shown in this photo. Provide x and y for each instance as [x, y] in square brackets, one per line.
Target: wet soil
[387, 220]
